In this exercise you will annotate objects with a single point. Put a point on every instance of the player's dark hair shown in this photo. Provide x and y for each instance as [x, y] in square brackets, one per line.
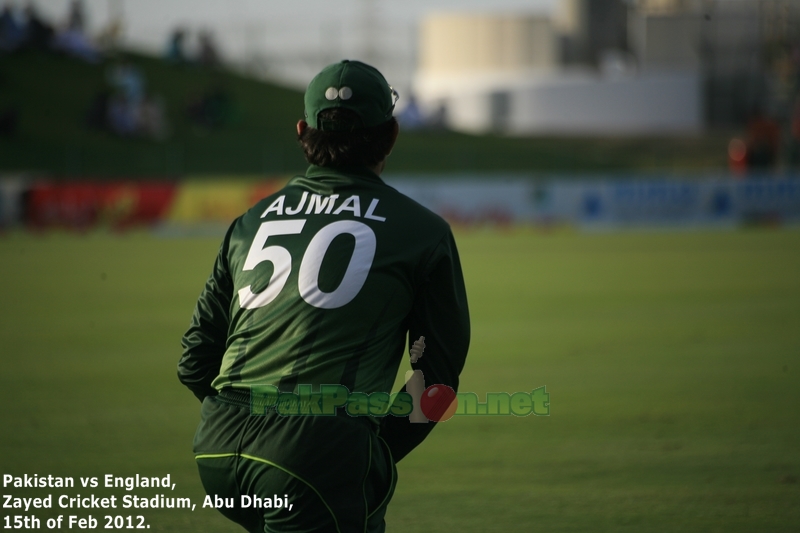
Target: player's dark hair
[346, 146]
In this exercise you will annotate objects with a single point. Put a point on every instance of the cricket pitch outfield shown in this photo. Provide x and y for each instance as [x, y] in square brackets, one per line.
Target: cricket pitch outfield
[671, 360]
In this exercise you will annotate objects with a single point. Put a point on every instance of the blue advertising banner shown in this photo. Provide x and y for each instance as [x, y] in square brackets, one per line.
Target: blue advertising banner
[594, 203]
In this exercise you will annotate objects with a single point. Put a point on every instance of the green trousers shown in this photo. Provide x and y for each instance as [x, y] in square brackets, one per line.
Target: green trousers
[302, 474]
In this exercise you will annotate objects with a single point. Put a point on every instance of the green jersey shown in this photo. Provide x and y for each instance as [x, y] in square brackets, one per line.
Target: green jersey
[322, 283]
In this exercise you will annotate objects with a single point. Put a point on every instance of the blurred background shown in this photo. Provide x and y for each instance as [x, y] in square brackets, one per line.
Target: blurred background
[563, 101]
[623, 177]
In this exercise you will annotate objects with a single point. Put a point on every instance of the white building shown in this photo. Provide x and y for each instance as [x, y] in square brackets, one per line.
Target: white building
[507, 74]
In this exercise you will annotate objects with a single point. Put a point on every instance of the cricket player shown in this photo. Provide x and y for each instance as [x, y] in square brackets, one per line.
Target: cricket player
[318, 287]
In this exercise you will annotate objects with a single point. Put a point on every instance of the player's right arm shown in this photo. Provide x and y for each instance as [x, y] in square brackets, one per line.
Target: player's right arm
[205, 342]
[440, 313]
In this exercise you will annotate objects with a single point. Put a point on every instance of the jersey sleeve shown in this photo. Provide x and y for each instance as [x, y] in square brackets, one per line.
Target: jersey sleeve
[205, 342]
[440, 314]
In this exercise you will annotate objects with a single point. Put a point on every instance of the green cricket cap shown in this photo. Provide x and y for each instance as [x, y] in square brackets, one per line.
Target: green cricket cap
[349, 85]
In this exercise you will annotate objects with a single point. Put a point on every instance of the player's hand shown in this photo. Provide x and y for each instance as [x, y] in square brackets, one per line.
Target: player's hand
[417, 349]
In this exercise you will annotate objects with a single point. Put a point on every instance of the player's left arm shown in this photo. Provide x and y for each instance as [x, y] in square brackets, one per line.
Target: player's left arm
[440, 314]
[205, 341]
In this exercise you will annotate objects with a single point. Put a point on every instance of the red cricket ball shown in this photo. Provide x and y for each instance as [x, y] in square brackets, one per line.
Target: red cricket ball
[438, 403]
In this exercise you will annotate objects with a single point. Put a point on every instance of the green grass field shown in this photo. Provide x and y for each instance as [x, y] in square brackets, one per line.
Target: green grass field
[671, 359]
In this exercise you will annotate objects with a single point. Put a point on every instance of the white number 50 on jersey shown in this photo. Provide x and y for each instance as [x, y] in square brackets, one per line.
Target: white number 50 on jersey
[308, 279]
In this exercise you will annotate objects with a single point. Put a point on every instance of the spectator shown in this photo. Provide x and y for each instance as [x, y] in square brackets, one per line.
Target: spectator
[72, 40]
[763, 141]
[123, 118]
[411, 117]
[438, 120]
[97, 114]
[9, 122]
[76, 44]
[125, 109]
[153, 122]
[209, 56]
[108, 39]
[175, 51]
[128, 80]
[794, 150]
[38, 33]
[77, 17]
[12, 31]
[213, 109]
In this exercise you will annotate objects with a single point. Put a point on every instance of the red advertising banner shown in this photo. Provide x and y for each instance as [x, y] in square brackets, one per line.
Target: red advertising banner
[83, 205]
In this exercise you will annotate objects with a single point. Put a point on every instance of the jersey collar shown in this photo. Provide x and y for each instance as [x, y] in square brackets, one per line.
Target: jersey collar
[315, 171]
